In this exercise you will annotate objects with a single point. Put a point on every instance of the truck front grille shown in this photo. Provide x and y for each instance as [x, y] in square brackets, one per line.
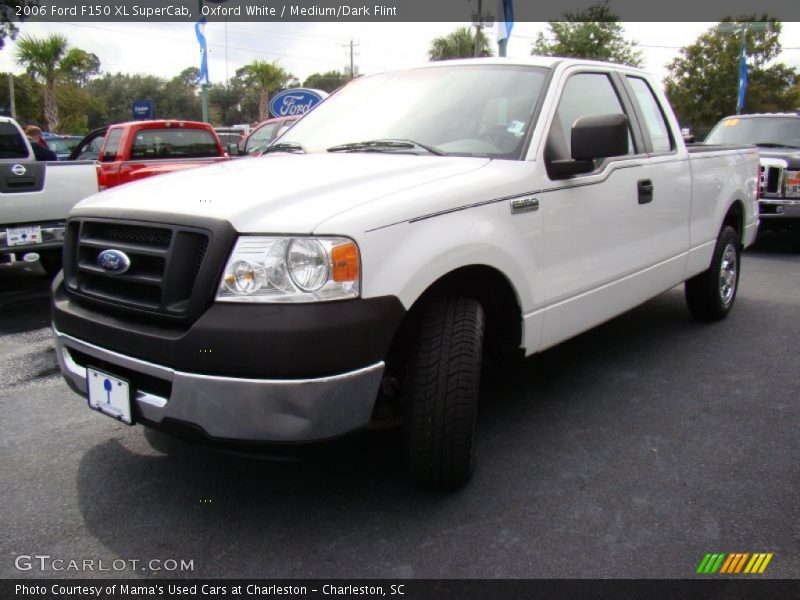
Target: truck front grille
[771, 181]
[165, 261]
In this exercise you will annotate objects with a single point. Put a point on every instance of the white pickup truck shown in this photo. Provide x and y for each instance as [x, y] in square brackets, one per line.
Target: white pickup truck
[411, 225]
[35, 198]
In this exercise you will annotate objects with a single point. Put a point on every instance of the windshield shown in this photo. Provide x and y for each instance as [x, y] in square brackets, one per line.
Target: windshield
[476, 110]
[767, 131]
[57, 145]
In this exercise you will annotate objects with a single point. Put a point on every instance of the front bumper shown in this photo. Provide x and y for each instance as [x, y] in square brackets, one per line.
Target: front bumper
[778, 210]
[52, 239]
[230, 408]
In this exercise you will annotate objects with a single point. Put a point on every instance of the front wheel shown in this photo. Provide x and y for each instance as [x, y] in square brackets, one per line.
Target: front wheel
[441, 393]
[710, 295]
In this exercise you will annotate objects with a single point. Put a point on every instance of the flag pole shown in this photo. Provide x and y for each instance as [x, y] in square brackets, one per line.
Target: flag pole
[204, 85]
[502, 45]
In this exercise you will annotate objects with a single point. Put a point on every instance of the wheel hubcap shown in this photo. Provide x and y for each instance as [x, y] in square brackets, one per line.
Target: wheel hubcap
[727, 275]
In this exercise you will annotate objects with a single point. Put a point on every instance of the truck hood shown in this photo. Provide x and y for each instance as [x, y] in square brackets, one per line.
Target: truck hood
[280, 193]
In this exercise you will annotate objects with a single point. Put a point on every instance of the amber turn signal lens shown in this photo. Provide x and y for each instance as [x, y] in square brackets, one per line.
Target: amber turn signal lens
[345, 262]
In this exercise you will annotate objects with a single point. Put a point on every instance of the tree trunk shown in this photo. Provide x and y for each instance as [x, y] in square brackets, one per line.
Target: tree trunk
[263, 106]
[50, 108]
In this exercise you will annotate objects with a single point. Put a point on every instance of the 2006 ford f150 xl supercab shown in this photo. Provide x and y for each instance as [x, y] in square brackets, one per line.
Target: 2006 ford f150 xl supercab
[412, 224]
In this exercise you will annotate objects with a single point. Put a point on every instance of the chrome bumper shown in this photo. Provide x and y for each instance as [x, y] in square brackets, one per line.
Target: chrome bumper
[52, 236]
[776, 209]
[259, 410]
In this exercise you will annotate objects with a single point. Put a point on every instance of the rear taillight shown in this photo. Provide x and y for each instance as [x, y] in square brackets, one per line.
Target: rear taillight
[101, 179]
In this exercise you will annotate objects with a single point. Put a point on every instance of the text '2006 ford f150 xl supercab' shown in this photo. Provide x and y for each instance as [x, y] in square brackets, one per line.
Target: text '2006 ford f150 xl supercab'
[411, 225]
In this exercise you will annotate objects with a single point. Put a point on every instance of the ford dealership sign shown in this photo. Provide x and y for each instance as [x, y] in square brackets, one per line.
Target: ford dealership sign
[295, 102]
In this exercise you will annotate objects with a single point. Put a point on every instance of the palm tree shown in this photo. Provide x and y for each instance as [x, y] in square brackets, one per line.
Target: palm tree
[42, 59]
[266, 77]
[459, 44]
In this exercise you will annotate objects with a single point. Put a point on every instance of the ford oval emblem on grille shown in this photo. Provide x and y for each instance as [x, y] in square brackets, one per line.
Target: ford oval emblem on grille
[113, 261]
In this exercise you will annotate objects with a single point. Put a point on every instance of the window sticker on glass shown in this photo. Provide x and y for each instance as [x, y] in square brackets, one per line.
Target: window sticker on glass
[516, 127]
[731, 123]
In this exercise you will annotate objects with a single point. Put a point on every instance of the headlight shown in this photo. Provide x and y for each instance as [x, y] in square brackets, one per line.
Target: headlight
[791, 184]
[291, 269]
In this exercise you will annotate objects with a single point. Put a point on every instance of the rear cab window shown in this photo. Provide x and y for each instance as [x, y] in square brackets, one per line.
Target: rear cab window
[12, 144]
[174, 142]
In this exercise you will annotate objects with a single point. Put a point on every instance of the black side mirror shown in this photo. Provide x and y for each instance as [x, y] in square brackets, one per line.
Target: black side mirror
[599, 136]
[593, 137]
[233, 149]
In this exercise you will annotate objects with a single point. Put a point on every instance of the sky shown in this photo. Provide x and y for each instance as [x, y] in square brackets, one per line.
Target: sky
[165, 49]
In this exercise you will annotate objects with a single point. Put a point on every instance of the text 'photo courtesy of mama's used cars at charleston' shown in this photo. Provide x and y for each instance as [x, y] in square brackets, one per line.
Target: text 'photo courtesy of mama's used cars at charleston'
[413, 224]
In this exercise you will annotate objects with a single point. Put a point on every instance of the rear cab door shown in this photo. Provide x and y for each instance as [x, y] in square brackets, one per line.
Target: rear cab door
[670, 175]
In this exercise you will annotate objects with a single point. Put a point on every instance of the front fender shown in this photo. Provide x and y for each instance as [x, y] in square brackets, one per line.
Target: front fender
[406, 259]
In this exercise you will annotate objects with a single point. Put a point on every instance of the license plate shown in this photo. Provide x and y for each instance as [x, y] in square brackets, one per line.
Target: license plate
[110, 395]
[19, 236]
[793, 191]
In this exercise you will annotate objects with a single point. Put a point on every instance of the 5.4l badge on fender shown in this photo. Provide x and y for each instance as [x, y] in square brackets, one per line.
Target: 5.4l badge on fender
[113, 261]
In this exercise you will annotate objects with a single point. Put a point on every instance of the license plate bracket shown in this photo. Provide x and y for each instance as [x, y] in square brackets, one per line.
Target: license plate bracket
[21, 236]
[109, 394]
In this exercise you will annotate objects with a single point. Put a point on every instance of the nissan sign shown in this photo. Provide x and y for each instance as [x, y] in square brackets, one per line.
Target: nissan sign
[295, 102]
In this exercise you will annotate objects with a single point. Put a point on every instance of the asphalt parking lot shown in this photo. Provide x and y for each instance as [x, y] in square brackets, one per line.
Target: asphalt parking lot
[630, 451]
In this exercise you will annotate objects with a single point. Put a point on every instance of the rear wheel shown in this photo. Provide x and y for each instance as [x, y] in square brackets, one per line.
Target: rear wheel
[441, 393]
[710, 295]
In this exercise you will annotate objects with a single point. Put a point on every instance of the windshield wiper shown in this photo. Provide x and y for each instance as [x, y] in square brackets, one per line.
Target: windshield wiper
[774, 145]
[388, 145]
[284, 147]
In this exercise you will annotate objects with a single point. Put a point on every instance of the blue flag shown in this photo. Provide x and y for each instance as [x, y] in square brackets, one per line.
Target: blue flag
[199, 28]
[742, 80]
[505, 19]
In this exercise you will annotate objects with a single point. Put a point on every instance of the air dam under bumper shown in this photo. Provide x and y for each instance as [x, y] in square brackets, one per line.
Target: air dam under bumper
[229, 408]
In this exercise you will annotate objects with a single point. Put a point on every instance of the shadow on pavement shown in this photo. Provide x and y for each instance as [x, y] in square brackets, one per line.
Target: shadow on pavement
[24, 298]
[560, 443]
[777, 243]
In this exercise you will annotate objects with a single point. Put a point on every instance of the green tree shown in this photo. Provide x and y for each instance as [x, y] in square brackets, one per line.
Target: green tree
[8, 9]
[328, 81]
[117, 91]
[42, 59]
[27, 98]
[703, 82]
[226, 102]
[179, 99]
[79, 66]
[75, 105]
[266, 77]
[458, 44]
[594, 33]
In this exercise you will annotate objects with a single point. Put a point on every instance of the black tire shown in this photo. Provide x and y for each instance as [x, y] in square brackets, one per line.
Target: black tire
[441, 393]
[711, 294]
[51, 262]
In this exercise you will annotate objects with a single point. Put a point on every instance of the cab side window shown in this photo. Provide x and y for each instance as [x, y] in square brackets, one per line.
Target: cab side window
[112, 145]
[654, 120]
[584, 94]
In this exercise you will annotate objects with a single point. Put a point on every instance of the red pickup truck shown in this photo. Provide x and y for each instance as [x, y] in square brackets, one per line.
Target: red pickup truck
[138, 149]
